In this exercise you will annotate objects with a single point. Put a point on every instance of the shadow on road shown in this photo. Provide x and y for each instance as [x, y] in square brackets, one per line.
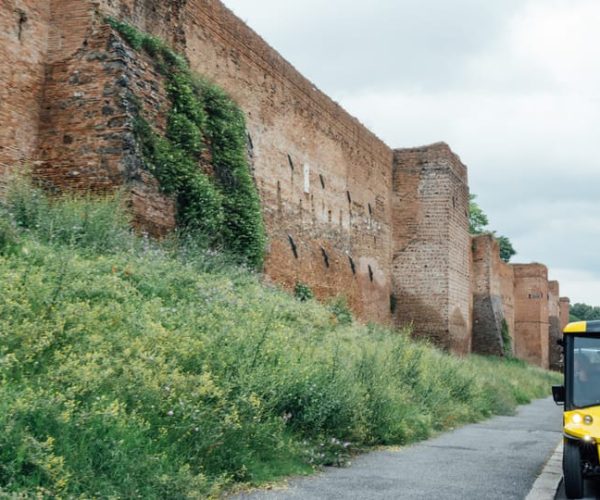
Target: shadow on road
[592, 490]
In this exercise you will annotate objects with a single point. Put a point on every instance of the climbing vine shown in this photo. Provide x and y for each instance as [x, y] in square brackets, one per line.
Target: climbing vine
[224, 208]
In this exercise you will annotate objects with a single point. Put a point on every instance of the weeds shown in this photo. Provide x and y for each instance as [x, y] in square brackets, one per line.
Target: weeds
[303, 292]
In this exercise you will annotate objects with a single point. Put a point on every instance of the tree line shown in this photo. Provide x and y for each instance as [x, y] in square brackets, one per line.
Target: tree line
[584, 312]
[478, 224]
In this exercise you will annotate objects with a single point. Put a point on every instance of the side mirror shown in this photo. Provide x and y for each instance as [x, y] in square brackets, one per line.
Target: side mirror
[558, 393]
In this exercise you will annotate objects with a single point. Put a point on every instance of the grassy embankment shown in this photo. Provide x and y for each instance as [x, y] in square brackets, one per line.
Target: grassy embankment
[135, 369]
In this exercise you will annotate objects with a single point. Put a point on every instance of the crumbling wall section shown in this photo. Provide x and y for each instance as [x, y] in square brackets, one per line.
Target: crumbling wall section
[432, 246]
[24, 30]
[488, 310]
[86, 137]
[532, 329]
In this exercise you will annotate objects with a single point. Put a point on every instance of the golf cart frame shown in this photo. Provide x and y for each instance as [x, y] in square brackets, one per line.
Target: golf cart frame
[580, 395]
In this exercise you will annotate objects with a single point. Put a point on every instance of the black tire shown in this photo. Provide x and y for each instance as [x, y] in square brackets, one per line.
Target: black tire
[572, 469]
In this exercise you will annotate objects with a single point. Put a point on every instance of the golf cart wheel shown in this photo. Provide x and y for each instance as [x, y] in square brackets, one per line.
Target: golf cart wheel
[572, 469]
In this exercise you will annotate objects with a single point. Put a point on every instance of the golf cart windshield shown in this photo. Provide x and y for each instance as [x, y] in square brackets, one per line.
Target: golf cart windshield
[586, 371]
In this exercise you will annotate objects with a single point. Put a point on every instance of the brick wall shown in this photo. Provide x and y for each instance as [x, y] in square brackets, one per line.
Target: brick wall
[86, 136]
[565, 312]
[532, 330]
[323, 178]
[303, 139]
[431, 247]
[488, 310]
[24, 27]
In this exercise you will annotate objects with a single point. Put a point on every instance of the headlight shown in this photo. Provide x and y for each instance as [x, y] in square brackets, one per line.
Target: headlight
[588, 420]
[576, 418]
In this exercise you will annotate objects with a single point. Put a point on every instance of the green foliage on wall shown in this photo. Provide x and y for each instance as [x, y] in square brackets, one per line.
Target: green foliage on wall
[478, 220]
[224, 209]
[303, 292]
[341, 310]
[506, 339]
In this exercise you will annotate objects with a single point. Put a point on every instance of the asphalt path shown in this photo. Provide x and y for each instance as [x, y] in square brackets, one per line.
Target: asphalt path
[497, 459]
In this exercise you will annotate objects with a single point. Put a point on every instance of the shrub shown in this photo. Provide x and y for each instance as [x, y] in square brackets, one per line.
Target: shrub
[506, 339]
[303, 292]
[98, 224]
[9, 238]
[340, 309]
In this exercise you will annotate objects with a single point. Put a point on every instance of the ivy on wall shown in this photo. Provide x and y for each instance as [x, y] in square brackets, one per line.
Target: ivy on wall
[224, 208]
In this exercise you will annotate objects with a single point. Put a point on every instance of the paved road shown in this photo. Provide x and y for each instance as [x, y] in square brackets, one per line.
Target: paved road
[497, 459]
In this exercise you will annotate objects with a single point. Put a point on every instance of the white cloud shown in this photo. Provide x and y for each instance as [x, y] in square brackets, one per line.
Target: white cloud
[579, 286]
[561, 38]
[512, 86]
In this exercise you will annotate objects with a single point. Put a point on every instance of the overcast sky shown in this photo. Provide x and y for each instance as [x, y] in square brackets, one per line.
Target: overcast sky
[513, 86]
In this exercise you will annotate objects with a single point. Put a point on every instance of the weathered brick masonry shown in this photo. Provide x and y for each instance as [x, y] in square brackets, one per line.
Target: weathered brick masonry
[488, 310]
[345, 213]
[431, 256]
[86, 139]
[522, 296]
[24, 29]
[531, 313]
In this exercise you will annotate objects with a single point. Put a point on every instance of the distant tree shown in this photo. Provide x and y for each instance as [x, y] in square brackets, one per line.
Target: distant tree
[507, 251]
[478, 222]
[584, 312]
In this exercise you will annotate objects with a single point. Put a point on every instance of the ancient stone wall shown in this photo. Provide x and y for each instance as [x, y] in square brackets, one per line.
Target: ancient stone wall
[24, 28]
[323, 178]
[431, 252]
[532, 330]
[86, 136]
[554, 349]
[488, 310]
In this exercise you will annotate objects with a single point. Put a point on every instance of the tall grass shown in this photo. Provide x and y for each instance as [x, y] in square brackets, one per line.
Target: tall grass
[134, 369]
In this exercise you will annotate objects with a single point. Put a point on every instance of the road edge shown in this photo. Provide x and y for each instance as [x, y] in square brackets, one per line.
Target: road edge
[547, 483]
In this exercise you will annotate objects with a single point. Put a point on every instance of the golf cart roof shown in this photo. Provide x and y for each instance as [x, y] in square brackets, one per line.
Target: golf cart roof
[583, 327]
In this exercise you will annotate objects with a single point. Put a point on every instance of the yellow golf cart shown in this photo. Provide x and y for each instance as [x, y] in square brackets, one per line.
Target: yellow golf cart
[581, 396]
